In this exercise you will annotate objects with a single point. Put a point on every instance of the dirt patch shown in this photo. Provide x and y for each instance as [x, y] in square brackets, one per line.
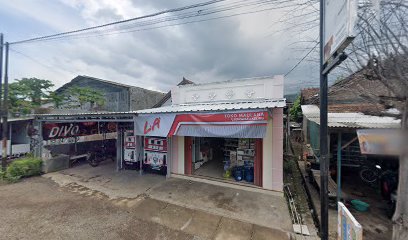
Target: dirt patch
[223, 201]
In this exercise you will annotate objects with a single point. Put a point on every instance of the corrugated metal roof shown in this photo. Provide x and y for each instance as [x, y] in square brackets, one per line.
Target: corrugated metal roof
[84, 114]
[217, 106]
[350, 119]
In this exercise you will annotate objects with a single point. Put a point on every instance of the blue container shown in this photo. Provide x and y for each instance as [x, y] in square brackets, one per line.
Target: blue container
[249, 174]
[238, 174]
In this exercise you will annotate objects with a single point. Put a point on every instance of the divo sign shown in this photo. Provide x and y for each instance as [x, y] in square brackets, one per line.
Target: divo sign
[68, 130]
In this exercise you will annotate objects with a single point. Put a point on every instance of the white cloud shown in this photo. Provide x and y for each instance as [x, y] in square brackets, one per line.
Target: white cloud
[155, 59]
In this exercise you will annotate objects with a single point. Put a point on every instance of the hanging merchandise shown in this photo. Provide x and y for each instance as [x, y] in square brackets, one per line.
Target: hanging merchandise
[155, 155]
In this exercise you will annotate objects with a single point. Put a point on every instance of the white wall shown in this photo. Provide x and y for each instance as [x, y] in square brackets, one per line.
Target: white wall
[267, 157]
[177, 158]
[230, 91]
[272, 165]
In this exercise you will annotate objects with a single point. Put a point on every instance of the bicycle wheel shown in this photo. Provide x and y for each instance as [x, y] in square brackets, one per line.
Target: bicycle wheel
[368, 175]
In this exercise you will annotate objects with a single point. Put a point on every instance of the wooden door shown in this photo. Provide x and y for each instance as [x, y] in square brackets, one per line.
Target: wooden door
[188, 155]
[258, 163]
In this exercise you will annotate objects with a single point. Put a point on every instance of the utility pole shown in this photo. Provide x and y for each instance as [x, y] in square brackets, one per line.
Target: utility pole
[1, 74]
[5, 109]
[324, 158]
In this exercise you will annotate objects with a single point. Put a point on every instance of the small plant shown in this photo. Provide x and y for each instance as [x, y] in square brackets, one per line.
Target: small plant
[25, 167]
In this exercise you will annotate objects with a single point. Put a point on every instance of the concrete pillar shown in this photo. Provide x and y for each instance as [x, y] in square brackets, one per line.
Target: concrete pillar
[277, 149]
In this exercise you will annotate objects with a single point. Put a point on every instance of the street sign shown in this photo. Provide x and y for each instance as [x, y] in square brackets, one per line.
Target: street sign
[340, 17]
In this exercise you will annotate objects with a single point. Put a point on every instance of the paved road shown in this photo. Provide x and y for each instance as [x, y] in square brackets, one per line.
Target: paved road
[37, 208]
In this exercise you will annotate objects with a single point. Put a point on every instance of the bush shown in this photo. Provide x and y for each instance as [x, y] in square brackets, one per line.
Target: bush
[24, 167]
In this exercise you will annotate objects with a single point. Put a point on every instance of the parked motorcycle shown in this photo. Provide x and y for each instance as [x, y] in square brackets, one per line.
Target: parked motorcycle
[100, 154]
[387, 181]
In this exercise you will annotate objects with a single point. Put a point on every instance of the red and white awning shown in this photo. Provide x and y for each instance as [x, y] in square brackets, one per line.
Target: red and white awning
[248, 124]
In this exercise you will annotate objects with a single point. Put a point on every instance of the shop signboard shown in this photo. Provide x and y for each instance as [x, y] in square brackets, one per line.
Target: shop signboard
[163, 125]
[231, 119]
[347, 226]
[157, 125]
[340, 18]
[380, 141]
[79, 139]
[69, 130]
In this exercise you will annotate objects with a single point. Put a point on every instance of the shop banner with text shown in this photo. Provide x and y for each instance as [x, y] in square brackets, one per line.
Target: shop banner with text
[238, 119]
[163, 125]
[155, 125]
[69, 130]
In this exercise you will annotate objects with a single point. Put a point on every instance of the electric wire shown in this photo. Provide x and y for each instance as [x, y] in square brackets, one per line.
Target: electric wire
[123, 21]
[200, 13]
[301, 60]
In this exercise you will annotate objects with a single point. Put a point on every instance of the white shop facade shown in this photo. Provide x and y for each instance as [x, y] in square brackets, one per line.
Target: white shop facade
[228, 131]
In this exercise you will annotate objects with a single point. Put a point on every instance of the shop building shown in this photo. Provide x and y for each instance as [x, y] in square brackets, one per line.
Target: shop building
[227, 131]
[214, 129]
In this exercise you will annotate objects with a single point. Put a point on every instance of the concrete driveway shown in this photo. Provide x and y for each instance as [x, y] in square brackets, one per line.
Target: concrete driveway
[198, 209]
[37, 208]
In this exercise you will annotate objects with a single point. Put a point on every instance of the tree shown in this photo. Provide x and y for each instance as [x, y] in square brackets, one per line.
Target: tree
[34, 89]
[27, 94]
[84, 95]
[382, 49]
[57, 99]
[296, 110]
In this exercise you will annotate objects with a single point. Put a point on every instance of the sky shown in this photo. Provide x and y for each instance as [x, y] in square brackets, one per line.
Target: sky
[244, 46]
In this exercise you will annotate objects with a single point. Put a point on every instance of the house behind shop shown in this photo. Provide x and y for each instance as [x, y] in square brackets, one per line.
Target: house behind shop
[118, 97]
[354, 104]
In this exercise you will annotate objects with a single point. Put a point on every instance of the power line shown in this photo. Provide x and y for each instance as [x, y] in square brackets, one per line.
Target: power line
[122, 21]
[200, 13]
[158, 27]
[301, 60]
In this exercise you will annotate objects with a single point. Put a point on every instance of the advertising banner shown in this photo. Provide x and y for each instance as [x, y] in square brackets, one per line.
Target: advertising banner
[163, 125]
[237, 119]
[155, 152]
[69, 130]
[79, 139]
[157, 125]
[347, 226]
[380, 141]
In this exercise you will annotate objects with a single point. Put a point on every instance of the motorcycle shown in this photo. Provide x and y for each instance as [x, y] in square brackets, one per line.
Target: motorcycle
[99, 155]
[387, 181]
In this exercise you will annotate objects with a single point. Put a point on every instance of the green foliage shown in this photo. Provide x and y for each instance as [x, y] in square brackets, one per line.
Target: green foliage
[57, 99]
[28, 93]
[83, 95]
[296, 110]
[24, 167]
